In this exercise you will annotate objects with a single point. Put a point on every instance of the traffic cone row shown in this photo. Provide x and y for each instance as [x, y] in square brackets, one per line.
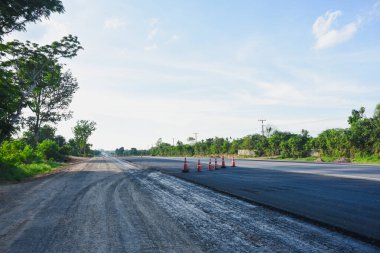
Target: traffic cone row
[199, 166]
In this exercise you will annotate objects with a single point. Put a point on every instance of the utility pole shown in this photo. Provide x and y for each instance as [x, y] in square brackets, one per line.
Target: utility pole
[173, 141]
[196, 137]
[262, 125]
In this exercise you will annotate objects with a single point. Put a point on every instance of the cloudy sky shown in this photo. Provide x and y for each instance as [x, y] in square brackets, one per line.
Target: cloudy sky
[166, 69]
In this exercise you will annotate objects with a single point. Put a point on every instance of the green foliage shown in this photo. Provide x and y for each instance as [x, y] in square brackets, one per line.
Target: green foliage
[48, 150]
[10, 151]
[45, 132]
[367, 159]
[119, 151]
[360, 142]
[35, 79]
[27, 154]
[82, 131]
[15, 14]
[16, 172]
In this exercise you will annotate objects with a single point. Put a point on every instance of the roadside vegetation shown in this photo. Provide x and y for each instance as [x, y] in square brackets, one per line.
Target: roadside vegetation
[359, 143]
[36, 91]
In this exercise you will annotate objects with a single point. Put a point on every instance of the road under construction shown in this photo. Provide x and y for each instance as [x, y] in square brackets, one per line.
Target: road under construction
[145, 204]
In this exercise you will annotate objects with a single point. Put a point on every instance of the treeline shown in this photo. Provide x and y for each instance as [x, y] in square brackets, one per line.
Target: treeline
[128, 152]
[36, 91]
[360, 140]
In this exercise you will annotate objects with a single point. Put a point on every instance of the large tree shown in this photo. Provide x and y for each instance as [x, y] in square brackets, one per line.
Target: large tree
[82, 131]
[10, 97]
[49, 103]
[15, 14]
[27, 70]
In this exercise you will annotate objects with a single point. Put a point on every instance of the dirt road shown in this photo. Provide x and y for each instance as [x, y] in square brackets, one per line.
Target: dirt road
[105, 205]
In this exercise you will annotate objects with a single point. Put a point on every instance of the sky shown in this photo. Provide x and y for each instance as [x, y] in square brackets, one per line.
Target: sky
[168, 69]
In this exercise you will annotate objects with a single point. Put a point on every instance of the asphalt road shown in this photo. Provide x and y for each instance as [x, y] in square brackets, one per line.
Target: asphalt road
[343, 196]
[105, 205]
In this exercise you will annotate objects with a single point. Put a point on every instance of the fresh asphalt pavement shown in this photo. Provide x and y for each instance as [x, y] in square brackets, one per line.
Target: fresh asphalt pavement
[343, 196]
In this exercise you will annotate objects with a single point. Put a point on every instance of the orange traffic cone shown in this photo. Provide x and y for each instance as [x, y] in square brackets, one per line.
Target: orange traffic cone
[233, 162]
[216, 164]
[209, 165]
[185, 166]
[223, 163]
[199, 167]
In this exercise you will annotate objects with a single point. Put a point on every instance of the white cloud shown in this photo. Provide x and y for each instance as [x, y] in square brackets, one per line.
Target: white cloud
[152, 33]
[173, 38]
[326, 36]
[246, 50]
[153, 21]
[114, 23]
[52, 30]
[151, 47]
[375, 12]
[322, 25]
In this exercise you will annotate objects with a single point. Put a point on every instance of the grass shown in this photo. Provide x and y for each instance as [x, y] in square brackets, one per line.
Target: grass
[18, 172]
[305, 159]
[374, 159]
[359, 160]
[367, 159]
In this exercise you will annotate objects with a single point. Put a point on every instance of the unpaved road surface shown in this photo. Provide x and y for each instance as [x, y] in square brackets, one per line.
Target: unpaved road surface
[105, 205]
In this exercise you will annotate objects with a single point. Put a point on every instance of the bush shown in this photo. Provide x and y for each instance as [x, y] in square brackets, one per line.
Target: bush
[27, 154]
[10, 151]
[49, 150]
[20, 171]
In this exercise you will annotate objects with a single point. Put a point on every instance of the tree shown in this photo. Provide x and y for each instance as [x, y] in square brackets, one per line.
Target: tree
[30, 71]
[275, 141]
[9, 104]
[45, 132]
[356, 115]
[119, 151]
[49, 104]
[48, 149]
[133, 151]
[82, 131]
[14, 14]
[60, 140]
[376, 114]
[37, 78]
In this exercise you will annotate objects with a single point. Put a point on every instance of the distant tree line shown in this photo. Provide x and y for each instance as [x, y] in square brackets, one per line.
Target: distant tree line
[129, 152]
[361, 139]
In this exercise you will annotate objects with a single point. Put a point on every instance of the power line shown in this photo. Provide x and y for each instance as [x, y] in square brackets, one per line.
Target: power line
[262, 125]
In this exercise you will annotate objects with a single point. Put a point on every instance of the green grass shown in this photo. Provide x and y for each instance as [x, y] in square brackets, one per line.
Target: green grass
[359, 160]
[17, 172]
[305, 159]
[374, 159]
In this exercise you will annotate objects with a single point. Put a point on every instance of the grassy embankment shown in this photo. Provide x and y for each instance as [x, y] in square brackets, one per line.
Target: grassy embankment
[20, 171]
[357, 160]
[374, 159]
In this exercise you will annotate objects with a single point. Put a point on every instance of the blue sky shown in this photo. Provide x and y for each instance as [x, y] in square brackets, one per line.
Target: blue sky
[167, 69]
